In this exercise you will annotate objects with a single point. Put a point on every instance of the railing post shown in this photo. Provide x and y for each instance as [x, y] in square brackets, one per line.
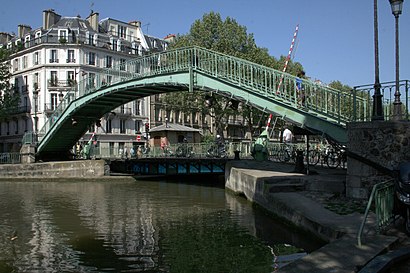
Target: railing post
[354, 104]
[407, 99]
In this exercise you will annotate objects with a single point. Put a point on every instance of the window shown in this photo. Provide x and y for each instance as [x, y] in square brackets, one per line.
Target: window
[70, 78]
[37, 37]
[91, 58]
[108, 126]
[16, 64]
[90, 38]
[54, 101]
[114, 45]
[17, 127]
[25, 62]
[111, 148]
[35, 81]
[91, 80]
[8, 128]
[70, 56]
[27, 41]
[62, 35]
[53, 56]
[108, 61]
[122, 126]
[16, 84]
[122, 31]
[138, 127]
[36, 58]
[122, 64]
[53, 78]
[137, 107]
[24, 87]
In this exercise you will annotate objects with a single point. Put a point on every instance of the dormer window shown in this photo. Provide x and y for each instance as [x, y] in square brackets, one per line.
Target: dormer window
[122, 31]
[62, 35]
[90, 38]
[37, 37]
[27, 41]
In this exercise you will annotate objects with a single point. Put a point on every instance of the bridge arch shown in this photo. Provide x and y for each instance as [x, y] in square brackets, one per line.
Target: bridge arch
[192, 69]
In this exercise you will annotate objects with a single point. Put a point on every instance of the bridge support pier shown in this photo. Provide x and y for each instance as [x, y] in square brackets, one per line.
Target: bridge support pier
[386, 143]
[28, 153]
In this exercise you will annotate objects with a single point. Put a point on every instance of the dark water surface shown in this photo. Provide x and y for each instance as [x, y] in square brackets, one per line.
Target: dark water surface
[141, 226]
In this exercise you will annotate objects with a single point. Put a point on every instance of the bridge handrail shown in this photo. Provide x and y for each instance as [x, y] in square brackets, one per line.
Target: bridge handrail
[388, 90]
[256, 78]
[383, 196]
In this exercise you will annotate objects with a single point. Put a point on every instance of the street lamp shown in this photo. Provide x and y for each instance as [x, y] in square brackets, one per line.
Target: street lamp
[377, 113]
[35, 97]
[396, 8]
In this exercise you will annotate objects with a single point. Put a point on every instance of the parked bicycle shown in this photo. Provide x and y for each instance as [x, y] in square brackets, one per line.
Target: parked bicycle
[183, 150]
[337, 157]
[217, 151]
[319, 154]
[288, 153]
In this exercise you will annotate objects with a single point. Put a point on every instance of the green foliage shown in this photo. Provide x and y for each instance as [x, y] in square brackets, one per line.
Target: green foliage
[9, 99]
[228, 37]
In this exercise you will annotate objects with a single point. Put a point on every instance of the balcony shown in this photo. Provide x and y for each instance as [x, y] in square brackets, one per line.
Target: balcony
[103, 41]
[18, 110]
[62, 84]
[70, 60]
[53, 60]
[123, 111]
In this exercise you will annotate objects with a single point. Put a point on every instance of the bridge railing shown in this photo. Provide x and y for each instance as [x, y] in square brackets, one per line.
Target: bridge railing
[187, 150]
[387, 90]
[333, 104]
[383, 196]
[10, 158]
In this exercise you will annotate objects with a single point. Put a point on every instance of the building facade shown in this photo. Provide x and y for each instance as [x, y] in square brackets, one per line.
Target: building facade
[48, 61]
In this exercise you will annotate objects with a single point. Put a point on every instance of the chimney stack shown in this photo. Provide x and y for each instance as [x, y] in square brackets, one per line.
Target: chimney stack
[135, 23]
[50, 18]
[23, 30]
[93, 20]
[5, 37]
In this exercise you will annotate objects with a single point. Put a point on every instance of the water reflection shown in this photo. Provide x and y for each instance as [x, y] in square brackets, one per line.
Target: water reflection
[133, 227]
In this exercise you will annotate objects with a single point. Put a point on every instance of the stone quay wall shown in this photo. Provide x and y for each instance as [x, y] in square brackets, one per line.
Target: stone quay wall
[384, 142]
[62, 169]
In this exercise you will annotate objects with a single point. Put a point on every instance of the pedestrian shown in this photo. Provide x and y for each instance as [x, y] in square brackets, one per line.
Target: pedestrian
[300, 89]
[287, 135]
[132, 152]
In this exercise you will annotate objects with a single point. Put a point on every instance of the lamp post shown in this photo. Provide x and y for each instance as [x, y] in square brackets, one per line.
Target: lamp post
[377, 113]
[35, 97]
[396, 8]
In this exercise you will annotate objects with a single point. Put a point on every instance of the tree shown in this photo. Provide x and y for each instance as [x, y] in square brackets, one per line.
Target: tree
[228, 37]
[9, 99]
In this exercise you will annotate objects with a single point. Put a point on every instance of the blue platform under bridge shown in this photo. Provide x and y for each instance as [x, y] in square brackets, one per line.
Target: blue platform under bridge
[169, 166]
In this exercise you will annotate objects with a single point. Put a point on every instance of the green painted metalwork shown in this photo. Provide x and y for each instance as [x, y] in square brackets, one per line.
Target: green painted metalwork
[383, 196]
[192, 69]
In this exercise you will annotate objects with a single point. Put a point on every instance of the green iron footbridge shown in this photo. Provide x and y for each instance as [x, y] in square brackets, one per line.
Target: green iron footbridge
[192, 69]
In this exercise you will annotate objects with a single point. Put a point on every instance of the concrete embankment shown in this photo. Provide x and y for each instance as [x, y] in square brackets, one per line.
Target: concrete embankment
[63, 169]
[285, 193]
[277, 188]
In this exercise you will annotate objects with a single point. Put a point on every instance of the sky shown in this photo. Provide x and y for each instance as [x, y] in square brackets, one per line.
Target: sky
[335, 39]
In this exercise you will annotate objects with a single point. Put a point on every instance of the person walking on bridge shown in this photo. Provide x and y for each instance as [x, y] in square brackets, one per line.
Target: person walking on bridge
[300, 89]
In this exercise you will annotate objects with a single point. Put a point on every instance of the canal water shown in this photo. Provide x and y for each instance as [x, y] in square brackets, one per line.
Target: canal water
[139, 226]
